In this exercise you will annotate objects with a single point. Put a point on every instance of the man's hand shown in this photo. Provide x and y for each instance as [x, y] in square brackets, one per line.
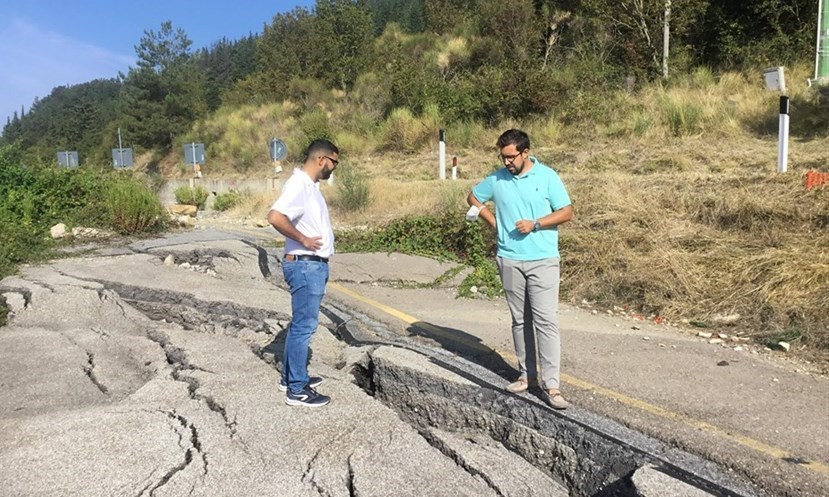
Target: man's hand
[283, 225]
[524, 226]
[483, 212]
[312, 243]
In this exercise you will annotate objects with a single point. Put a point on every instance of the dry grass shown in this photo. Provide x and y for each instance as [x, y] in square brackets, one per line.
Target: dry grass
[254, 206]
[694, 246]
[390, 199]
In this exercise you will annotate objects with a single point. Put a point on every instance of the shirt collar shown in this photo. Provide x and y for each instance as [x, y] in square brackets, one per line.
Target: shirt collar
[305, 177]
[532, 170]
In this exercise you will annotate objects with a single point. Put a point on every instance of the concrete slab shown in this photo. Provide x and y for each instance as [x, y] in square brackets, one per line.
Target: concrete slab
[651, 482]
[93, 452]
[502, 468]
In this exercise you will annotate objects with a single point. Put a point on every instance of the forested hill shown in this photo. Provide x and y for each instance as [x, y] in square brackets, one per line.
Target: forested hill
[474, 60]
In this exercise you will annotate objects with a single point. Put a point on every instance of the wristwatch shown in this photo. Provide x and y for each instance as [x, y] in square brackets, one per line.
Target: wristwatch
[536, 225]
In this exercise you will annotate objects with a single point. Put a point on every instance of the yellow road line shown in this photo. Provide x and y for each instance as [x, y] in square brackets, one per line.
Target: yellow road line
[383, 307]
[585, 385]
[694, 423]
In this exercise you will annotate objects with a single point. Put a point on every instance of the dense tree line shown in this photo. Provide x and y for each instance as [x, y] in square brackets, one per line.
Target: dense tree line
[70, 118]
[471, 59]
[224, 63]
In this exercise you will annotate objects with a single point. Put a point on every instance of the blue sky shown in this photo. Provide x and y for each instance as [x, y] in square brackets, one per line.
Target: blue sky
[44, 44]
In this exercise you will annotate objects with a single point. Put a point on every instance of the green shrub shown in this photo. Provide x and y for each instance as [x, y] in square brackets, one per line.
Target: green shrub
[445, 236]
[225, 201]
[24, 213]
[353, 189]
[371, 96]
[21, 240]
[684, 118]
[35, 197]
[191, 196]
[403, 131]
[467, 133]
[314, 123]
[132, 208]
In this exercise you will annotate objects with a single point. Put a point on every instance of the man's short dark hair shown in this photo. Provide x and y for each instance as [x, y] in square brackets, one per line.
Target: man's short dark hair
[320, 146]
[514, 137]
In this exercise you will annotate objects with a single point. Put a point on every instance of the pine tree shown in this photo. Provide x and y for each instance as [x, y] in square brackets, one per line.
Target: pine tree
[165, 93]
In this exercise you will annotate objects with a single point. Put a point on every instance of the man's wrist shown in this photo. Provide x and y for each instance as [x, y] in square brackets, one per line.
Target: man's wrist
[536, 225]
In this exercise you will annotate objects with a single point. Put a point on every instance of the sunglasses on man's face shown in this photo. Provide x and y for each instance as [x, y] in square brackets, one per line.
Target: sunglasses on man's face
[509, 159]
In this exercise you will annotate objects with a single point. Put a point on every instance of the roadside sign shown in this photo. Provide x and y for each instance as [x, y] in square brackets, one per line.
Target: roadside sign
[68, 159]
[121, 158]
[775, 79]
[277, 149]
[194, 153]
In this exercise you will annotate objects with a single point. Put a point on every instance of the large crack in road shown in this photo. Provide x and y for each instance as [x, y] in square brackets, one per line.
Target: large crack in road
[505, 445]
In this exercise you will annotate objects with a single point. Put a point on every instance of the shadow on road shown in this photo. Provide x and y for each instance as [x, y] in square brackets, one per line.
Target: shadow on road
[277, 348]
[465, 345]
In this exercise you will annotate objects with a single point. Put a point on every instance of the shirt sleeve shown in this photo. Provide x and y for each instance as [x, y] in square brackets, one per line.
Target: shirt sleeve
[290, 201]
[484, 190]
[558, 194]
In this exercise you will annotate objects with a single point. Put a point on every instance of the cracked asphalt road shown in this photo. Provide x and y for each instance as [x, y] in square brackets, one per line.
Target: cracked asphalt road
[124, 375]
[121, 375]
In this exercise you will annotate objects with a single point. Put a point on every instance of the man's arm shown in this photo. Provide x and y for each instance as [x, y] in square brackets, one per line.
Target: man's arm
[552, 219]
[484, 212]
[283, 225]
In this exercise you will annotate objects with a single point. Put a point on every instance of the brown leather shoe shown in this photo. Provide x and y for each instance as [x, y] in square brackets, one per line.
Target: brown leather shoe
[522, 385]
[555, 399]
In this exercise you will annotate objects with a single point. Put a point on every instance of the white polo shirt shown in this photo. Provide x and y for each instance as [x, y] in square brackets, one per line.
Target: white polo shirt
[302, 202]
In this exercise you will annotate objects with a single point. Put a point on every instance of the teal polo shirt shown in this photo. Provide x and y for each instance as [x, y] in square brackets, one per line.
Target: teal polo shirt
[531, 196]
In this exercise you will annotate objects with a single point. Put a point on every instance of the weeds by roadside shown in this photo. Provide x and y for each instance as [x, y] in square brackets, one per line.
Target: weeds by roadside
[444, 236]
[227, 200]
[132, 208]
[353, 192]
[702, 246]
[34, 197]
[191, 196]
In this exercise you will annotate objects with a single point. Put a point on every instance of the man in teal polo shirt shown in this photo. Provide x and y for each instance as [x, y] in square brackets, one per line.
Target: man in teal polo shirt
[530, 203]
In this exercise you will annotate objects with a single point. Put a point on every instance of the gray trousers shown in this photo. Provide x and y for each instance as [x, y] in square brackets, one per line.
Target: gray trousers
[531, 288]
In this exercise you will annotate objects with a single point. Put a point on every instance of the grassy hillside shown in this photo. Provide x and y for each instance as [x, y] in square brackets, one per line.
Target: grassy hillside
[714, 122]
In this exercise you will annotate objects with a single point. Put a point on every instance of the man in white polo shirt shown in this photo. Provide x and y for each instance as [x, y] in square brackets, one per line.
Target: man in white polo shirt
[301, 215]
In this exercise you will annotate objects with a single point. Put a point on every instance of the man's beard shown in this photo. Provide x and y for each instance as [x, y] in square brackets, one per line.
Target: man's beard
[326, 173]
[516, 170]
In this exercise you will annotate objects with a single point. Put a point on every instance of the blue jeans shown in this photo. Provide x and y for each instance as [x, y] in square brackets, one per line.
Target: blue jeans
[307, 281]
